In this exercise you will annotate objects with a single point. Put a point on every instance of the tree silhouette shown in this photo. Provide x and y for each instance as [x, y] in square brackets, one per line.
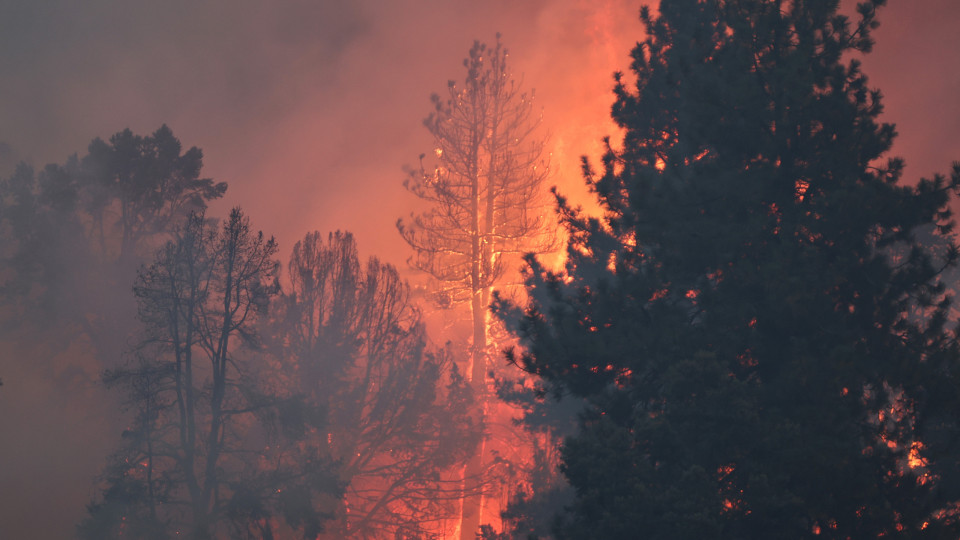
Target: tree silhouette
[65, 311]
[75, 232]
[399, 415]
[484, 199]
[213, 450]
[140, 186]
[760, 336]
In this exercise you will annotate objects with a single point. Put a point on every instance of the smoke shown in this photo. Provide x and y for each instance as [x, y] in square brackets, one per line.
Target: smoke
[309, 110]
[916, 65]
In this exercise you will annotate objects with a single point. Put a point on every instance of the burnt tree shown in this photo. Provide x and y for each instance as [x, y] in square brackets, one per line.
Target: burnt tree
[485, 204]
[399, 412]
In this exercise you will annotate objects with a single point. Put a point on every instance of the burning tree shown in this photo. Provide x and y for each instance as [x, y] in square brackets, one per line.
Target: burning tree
[485, 196]
[761, 336]
[213, 450]
[399, 415]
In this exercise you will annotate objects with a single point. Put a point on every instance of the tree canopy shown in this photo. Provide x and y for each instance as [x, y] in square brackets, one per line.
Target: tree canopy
[401, 418]
[74, 232]
[216, 447]
[761, 337]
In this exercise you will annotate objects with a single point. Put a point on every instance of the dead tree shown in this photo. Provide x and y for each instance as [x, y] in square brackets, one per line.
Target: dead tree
[486, 205]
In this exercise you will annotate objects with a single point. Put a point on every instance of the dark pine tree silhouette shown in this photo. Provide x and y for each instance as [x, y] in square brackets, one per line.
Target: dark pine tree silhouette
[762, 340]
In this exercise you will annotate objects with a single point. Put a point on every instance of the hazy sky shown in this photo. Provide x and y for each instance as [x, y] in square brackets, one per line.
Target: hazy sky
[310, 109]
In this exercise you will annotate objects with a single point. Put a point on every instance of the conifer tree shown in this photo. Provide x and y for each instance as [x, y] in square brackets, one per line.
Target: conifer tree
[71, 234]
[351, 341]
[761, 337]
[215, 448]
[485, 207]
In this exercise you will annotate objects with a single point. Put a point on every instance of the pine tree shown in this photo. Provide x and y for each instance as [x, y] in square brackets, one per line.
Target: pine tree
[485, 208]
[215, 449]
[73, 233]
[761, 337]
[352, 343]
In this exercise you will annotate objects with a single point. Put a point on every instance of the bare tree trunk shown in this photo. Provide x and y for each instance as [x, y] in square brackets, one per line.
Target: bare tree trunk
[472, 509]
[472, 473]
[486, 183]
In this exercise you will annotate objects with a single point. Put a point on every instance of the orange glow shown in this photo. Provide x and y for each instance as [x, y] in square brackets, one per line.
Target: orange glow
[317, 145]
[914, 459]
[701, 155]
[662, 293]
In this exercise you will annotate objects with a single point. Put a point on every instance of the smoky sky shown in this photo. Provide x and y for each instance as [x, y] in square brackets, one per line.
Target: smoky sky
[916, 65]
[311, 109]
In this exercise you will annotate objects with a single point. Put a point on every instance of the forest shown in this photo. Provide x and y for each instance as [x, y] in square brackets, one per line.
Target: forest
[736, 321]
